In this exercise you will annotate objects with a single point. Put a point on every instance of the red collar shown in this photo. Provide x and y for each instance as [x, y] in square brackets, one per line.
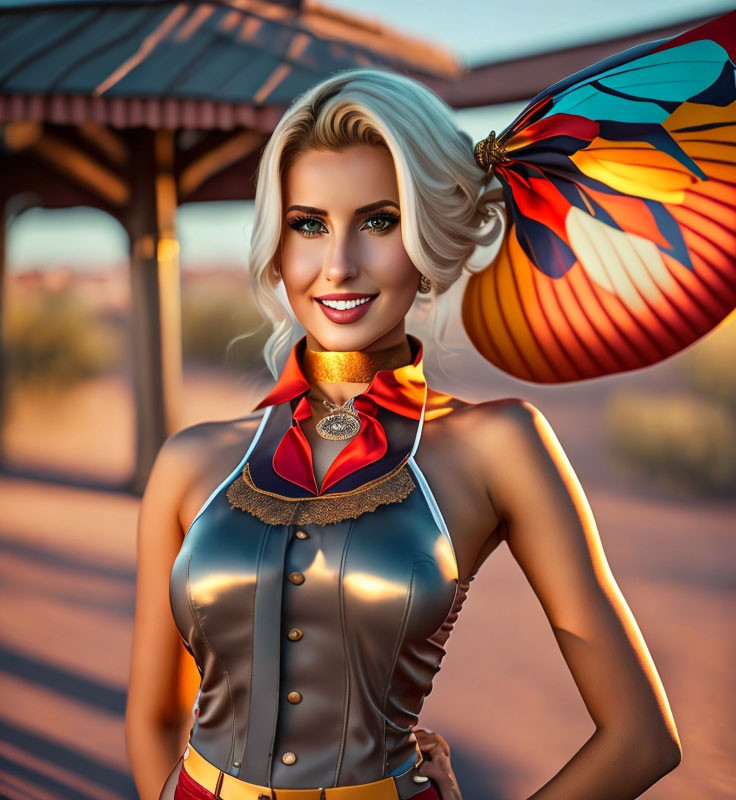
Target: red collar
[400, 390]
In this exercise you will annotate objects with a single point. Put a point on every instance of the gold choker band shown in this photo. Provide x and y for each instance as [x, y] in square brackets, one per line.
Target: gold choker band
[353, 366]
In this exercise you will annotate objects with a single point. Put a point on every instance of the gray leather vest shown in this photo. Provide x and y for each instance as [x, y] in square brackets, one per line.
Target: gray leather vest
[316, 643]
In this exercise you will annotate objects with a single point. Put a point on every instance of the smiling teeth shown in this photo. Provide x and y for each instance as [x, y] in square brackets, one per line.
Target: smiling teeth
[341, 305]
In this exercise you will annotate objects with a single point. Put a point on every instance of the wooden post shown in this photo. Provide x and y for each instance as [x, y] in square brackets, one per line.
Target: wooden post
[155, 290]
[3, 366]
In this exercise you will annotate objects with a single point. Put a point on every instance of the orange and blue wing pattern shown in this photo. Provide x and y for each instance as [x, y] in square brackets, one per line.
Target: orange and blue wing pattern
[620, 190]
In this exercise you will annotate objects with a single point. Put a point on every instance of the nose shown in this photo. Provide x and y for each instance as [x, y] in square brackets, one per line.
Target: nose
[340, 262]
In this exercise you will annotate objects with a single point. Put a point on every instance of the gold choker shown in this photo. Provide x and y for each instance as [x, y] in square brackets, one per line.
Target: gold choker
[353, 366]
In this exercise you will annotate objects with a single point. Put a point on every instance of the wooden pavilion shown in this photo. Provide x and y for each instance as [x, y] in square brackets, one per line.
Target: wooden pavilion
[136, 106]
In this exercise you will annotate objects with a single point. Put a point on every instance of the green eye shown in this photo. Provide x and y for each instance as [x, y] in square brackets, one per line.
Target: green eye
[385, 222]
[313, 226]
[298, 223]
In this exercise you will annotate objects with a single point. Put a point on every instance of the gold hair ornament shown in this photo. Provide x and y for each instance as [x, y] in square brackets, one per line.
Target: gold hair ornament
[488, 152]
[425, 285]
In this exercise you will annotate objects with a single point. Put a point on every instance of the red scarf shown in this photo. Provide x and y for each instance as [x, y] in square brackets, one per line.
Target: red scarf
[401, 390]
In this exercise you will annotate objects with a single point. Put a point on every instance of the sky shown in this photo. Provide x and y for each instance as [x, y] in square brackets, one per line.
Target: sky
[477, 31]
[491, 30]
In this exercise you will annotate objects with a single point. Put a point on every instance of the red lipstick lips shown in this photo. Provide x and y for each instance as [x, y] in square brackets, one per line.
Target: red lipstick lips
[345, 315]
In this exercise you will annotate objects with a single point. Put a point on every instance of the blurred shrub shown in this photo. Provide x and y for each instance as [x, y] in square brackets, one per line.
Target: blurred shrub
[710, 365]
[682, 441]
[211, 321]
[52, 339]
[686, 440]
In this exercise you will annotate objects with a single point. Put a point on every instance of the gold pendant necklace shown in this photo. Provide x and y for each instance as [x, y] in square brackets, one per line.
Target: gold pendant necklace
[341, 423]
[352, 366]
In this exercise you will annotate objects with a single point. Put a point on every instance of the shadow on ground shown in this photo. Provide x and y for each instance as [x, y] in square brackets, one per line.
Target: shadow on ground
[56, 755]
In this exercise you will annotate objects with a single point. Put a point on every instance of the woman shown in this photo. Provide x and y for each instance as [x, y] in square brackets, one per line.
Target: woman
[331, 535]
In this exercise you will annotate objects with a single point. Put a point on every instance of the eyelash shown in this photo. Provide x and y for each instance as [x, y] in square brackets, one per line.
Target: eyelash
[297, 222]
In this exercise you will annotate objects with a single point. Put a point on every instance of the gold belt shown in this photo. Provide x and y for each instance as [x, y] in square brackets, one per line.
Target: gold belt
[228, 787]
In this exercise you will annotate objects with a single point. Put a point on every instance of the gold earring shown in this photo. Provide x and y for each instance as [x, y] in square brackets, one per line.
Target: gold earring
[425, 285]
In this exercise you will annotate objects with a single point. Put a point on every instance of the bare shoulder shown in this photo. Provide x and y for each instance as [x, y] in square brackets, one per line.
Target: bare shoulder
[514, 448]
[190, 446]
[496, 422]
[192, 442]
[192, 458]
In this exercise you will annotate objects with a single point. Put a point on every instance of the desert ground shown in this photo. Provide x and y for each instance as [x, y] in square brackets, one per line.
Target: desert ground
[504, 698]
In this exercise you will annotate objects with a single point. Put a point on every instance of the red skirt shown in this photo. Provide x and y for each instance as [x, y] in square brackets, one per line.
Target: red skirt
[188, 789]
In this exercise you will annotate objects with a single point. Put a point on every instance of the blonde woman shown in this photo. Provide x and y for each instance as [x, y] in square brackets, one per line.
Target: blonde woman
[317, 551]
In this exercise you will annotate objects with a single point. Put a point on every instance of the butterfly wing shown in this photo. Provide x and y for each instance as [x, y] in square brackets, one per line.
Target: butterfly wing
[620, 190]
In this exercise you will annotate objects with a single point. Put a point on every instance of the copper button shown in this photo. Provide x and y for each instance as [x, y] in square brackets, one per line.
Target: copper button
[288, 758]
[296, 577]
[295, 634]
[302, 535]
[294, 697]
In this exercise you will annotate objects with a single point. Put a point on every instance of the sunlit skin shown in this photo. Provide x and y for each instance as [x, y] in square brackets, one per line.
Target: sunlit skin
[341, 234]
[328, 248]
[497, 473]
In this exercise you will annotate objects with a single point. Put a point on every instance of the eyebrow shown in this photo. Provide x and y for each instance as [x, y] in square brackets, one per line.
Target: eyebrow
[361, 210]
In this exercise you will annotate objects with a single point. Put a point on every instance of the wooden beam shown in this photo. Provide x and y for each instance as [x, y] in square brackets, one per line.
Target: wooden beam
[156, 326]
[68, 160]
[106, 140]
[216, 159]
[23, 174]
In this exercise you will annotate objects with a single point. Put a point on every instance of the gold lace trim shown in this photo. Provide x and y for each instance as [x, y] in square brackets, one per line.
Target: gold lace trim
[276, 509]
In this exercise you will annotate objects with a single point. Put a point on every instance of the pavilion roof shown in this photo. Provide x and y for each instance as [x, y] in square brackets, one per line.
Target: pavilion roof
[207, 65]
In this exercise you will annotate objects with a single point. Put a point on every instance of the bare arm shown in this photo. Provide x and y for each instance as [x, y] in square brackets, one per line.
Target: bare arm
[155, 726]
[553, 536]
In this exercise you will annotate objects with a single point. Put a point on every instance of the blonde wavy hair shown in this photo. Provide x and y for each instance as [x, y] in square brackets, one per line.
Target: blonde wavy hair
[446, 209]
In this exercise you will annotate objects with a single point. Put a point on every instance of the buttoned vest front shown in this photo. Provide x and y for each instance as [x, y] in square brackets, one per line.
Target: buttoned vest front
[317, 623]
